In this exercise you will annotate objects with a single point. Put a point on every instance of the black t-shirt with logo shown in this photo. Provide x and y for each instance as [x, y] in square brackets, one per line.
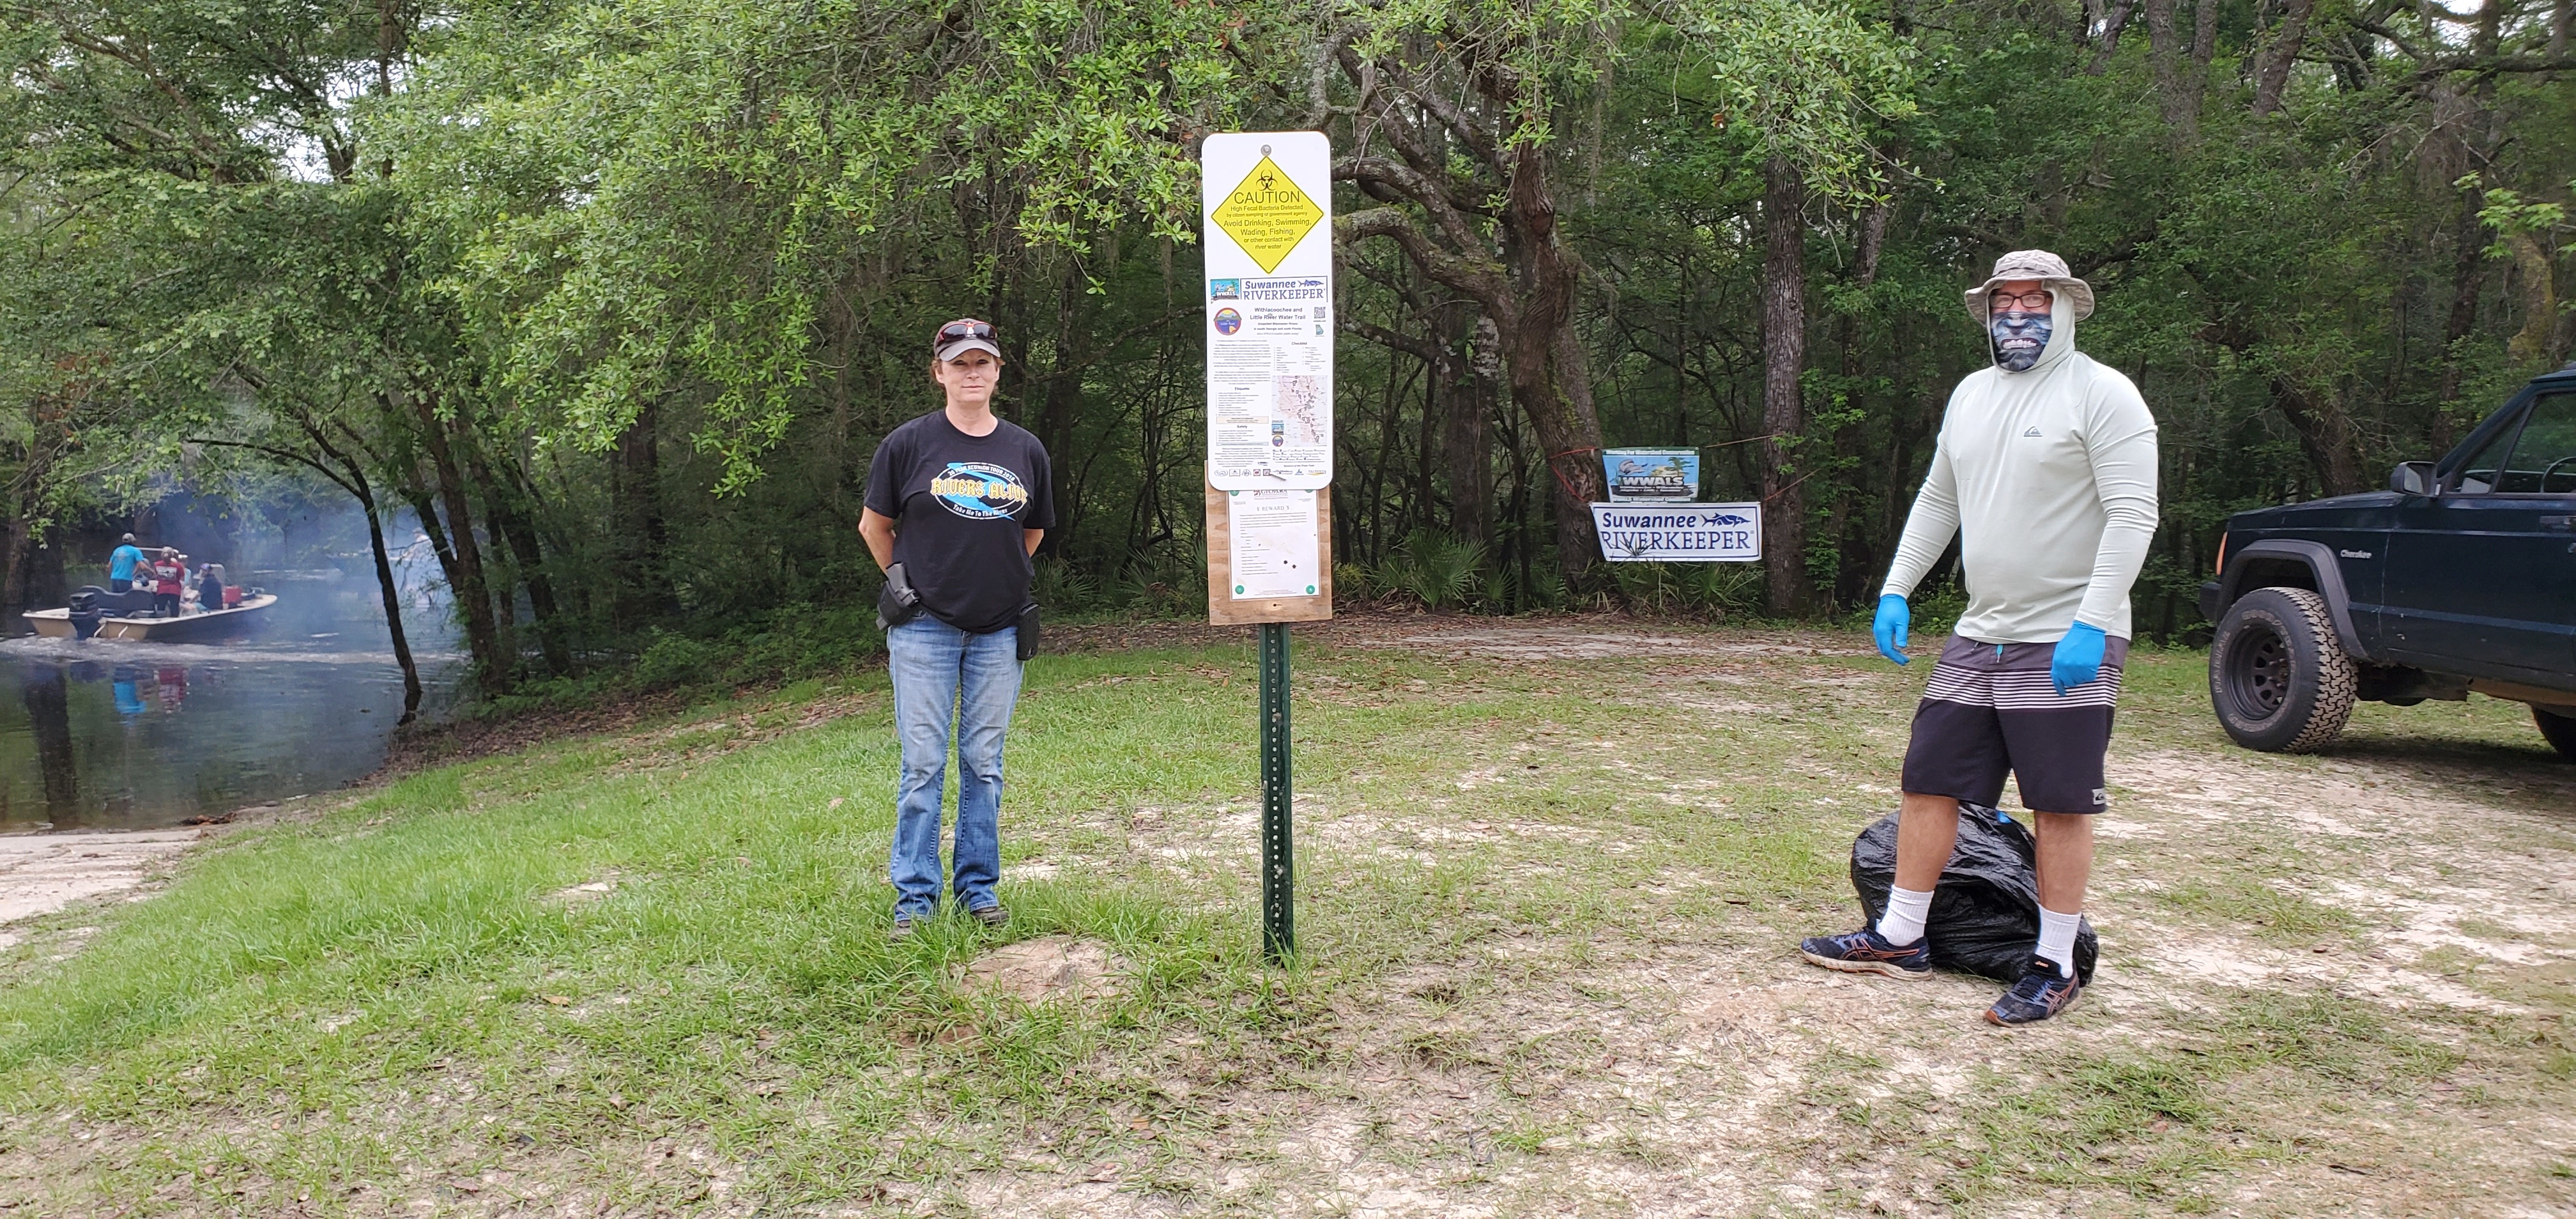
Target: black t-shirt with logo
[959, 503]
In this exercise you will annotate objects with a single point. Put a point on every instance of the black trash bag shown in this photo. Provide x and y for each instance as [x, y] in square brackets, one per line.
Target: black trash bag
[1985, 912]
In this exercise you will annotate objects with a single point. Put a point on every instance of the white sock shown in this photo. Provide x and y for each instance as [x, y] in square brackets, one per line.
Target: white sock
[2057, 939]
[1903, 922]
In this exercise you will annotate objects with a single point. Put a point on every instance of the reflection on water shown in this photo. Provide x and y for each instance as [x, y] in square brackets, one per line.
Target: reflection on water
[116, 734]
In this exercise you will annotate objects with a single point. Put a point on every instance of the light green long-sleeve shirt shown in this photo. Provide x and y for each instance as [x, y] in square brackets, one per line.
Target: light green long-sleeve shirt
[2048, 478]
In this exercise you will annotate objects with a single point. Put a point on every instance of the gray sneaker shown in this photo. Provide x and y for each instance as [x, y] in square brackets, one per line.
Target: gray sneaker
[902, 928]
[991, 916]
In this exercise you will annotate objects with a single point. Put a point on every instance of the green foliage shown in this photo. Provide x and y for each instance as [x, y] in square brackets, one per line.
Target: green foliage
[1810, 82]
[1715, 590]
[658, 275]
[675, 215]
[1431, 568]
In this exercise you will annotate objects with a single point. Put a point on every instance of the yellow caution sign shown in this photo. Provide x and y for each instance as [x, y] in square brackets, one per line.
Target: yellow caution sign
[1267, 214]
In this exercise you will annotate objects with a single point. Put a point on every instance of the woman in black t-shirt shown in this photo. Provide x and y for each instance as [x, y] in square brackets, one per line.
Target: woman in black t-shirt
[957, 502]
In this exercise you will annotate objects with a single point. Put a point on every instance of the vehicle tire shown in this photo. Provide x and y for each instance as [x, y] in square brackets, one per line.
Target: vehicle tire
[2278, 678]
[2560, 729]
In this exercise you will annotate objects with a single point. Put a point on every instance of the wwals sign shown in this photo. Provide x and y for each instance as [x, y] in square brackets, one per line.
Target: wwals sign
[1667, 475]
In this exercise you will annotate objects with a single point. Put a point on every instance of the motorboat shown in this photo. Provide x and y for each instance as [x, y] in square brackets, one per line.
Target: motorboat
[184, 627]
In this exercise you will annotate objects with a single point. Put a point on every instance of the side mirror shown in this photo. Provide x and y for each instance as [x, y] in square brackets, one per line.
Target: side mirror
[2412, 478]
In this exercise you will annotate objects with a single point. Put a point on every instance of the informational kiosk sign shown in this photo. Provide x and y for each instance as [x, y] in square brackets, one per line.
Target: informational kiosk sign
[1679, 533]
[1268, 233]
[1267, 212]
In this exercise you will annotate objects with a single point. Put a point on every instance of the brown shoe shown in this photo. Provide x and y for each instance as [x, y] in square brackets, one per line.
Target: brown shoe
[991, 916]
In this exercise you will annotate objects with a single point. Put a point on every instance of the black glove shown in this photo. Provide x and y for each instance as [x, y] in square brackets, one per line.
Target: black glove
[897, 603]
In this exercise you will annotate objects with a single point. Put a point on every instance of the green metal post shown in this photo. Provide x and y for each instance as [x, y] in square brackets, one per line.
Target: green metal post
[1278, 840]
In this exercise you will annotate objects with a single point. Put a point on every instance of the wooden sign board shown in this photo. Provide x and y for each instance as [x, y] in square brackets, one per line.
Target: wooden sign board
[1226, 609]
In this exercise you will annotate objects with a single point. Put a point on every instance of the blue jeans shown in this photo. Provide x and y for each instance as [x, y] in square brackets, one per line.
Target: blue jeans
[939, 672]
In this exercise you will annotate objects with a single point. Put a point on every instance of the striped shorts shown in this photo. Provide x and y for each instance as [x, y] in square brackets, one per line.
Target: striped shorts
[1990, 711]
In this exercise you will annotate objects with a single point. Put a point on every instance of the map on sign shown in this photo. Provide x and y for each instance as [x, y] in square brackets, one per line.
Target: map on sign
[1267, 214]
[1299, 402]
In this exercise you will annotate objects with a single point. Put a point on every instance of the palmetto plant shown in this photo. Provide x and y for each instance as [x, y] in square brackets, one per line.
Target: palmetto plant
[1434, 568]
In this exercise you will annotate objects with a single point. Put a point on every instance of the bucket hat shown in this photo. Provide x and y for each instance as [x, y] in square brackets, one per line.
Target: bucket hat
[2047, 268]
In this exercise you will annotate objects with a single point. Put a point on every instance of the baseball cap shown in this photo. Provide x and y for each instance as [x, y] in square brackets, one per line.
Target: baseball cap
[961, 336]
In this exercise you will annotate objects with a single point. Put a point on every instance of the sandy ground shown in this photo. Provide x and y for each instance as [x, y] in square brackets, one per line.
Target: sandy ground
[1700, 1068]
[43, 873]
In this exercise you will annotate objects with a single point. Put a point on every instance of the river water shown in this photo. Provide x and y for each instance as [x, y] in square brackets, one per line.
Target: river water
[111, 734]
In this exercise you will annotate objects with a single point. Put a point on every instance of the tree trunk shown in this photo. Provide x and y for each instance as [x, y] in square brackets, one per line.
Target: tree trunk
[40, 574]
[2272, 77]
[2112, 27]
[1060, 408]
[1466, 447]
[16, 541]
[1549, 377]
[2534, 342]
[1859, 558]
[2164, 55]
[2468, 280]
[492, 663]
[1529, 295]
[349, 476]
[352, 478]
[21, 557]
[388, 592]
[508, 510]
[642, 585]
[2326, 435]
[425, 506]
[12, 530]
[1784, 356]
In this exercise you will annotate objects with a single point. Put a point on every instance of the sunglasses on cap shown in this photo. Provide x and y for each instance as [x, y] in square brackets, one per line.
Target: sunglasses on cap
[962, 329]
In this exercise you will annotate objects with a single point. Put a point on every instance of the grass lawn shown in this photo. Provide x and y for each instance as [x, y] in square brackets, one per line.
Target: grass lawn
[1551, 877]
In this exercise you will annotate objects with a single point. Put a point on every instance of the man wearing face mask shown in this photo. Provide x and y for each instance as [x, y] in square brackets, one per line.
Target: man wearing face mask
[2045, 471]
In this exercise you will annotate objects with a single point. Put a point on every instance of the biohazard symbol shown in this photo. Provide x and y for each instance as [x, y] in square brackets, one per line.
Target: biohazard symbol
[1267, 214]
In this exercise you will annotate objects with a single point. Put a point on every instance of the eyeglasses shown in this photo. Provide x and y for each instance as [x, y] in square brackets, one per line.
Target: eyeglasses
[962, 329]
[2030, 302]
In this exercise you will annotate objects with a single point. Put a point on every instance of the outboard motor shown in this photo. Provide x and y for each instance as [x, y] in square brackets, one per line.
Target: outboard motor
[86, 611]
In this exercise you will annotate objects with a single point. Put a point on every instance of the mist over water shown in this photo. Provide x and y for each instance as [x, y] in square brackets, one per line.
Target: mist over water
[115, 734]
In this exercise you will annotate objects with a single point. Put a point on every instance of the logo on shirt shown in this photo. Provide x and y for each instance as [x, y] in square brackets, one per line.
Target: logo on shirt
[2032, 432]
[979, 490]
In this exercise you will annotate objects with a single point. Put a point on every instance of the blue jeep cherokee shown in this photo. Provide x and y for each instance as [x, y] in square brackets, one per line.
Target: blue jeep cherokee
[2461, 576]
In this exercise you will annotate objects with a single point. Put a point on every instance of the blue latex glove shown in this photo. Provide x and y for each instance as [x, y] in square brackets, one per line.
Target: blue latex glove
[2078, 659]
[1894, 619]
